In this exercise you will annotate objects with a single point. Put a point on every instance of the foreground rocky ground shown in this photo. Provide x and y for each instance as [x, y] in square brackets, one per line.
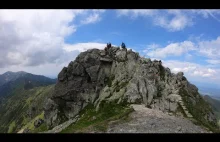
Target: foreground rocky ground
[145, 120]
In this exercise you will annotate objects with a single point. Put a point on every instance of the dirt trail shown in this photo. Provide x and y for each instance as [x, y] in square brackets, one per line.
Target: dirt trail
[145, 120]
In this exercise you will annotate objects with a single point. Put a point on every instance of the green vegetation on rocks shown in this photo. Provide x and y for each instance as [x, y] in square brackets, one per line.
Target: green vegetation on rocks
[109, 80]
[92, 120]
[42, 128]
[30, 125]
[11, 127]
[199, 110]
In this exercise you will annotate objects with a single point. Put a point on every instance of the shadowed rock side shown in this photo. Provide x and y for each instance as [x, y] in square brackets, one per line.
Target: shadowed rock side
[121, 76]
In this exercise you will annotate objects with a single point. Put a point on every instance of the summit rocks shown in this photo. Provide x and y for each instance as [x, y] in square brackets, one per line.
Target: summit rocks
[122, 76]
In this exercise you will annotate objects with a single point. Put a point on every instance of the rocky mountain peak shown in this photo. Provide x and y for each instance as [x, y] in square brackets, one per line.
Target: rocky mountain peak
[122, 76]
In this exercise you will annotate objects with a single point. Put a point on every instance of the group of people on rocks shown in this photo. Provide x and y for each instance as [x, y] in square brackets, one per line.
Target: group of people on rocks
[109, 45]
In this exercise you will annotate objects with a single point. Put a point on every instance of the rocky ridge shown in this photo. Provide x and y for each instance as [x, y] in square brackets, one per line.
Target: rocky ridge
[122, 76]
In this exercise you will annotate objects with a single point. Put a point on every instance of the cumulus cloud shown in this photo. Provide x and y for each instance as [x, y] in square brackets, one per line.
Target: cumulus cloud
[202, 48]
[83, 46]
[194, 72]
[214, 62]
[175, 20]
[174, 49]
[205, 72]
[210, 48]
[35, 37]
[95, 16]
[91, 19]
[191, 69]
[171, 20]
[137, 13]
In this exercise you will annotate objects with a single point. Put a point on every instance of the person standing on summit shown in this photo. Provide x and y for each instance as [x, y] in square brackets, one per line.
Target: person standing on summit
[123, 45]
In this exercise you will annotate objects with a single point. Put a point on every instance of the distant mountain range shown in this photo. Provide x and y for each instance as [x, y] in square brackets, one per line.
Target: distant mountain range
[12, 82]
[208, 89]
[22, 98]
[10, 76]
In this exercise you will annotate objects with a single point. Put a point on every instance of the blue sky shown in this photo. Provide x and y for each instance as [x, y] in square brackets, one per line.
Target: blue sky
[44, 41]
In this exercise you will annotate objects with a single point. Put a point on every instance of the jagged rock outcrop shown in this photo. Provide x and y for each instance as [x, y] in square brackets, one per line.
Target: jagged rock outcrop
[121, 75]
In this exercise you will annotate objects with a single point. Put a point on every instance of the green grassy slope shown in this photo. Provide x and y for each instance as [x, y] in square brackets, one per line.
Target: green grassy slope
[22, 107]
[91, 121]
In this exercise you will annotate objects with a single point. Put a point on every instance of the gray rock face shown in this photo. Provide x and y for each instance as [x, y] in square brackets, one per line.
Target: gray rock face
[119, 75]
[51, 113]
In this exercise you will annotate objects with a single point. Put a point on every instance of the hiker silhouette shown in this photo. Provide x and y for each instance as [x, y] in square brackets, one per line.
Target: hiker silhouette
[123, 45]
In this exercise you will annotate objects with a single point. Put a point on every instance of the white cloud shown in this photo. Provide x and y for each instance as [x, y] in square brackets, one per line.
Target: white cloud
[210, 48]
[171, 20]
[35, 37]
[136, 13]
[81, 47]
[32, 37]
[201, 48]
[208, 12]
[178, 21]
[84, 46]
[15, 57]
[91, 19]
[214, 62]
[95, 16]
[174, 49]
[211, 70]
[191, 69]
[195, 71]
[33, 40]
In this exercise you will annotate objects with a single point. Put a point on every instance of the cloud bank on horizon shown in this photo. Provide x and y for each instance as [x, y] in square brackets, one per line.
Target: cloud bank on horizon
[44, 41]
